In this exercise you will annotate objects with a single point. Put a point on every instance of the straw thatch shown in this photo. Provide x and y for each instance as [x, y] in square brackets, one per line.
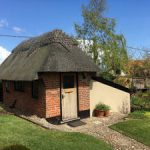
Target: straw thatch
[51, 52]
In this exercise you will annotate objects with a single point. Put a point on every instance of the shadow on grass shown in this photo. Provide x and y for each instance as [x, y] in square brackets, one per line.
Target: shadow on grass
[16, 147]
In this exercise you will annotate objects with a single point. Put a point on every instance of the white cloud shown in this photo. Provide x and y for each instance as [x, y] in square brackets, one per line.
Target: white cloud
[17, 29]
[3, 23]
[4, 53]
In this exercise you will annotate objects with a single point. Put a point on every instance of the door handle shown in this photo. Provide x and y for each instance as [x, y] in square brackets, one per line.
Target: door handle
[62, 96]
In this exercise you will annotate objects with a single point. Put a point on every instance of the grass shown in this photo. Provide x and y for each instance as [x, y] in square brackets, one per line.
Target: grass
[137, 127]
[16, 132]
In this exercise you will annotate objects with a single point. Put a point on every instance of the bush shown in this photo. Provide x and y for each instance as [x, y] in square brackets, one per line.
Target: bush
[137, 115]
[140, 101]
[16, 147]
[136, 100]
[102, 107]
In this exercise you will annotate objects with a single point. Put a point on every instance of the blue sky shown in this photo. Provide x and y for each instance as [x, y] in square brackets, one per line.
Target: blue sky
[33, 17]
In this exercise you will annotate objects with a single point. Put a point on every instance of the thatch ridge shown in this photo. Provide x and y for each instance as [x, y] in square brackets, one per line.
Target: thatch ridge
[57, 36]
[51, 52]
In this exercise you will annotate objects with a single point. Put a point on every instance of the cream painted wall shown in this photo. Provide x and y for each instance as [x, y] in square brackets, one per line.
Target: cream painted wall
[118, 100]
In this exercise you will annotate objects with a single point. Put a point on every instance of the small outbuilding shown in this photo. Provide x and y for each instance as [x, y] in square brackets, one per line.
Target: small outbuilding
[50, 76]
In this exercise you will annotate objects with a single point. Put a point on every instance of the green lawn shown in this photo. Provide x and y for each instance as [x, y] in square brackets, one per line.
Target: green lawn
[14, 130]
[138, 129]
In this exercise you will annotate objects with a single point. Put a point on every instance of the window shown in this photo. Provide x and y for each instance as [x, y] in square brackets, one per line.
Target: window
[7, 86]
[19, 86]
[35, 89]
[68, 81]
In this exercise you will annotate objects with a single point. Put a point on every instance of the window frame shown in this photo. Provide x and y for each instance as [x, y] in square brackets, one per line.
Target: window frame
[19, 86]
[68, 81]
[7, 86]
[35, 90]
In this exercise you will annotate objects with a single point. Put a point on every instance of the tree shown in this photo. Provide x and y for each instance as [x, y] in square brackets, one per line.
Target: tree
[141, 66]
[107, 49]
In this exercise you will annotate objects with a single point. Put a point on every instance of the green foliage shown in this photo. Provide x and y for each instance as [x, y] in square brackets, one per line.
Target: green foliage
[147, 114]
[108, 49]
[140, 101]
[124, 81]
[102, 107]
[137, 115]
[136, 100]
[107, 76]
[15, 147]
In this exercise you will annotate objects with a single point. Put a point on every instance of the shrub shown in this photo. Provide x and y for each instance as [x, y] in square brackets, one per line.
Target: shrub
[136, 100]
[137, 115]
[102, 107]
[140, 101]
[16, 147]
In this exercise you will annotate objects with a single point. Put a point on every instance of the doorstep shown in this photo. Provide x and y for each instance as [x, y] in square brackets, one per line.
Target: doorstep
[69, 120]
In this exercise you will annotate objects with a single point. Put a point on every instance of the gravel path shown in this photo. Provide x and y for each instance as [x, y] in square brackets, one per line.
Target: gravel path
[97, 127]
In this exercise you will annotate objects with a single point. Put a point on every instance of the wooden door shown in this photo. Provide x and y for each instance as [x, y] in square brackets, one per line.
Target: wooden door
[69, 96]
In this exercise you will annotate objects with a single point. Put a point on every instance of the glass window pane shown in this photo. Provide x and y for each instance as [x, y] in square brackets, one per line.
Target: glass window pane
[68, 81]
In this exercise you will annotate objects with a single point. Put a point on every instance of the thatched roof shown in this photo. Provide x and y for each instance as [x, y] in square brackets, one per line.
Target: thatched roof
[51, 52]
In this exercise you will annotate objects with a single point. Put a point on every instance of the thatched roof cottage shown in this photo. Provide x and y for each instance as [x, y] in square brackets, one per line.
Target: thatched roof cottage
[50, 76]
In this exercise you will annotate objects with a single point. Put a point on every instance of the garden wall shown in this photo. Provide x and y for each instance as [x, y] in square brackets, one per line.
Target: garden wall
[117, 99]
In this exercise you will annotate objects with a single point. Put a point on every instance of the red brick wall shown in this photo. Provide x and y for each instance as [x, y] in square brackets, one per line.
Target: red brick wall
[84, 92]
[52, 87]
[48, 103]
[25, 103]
